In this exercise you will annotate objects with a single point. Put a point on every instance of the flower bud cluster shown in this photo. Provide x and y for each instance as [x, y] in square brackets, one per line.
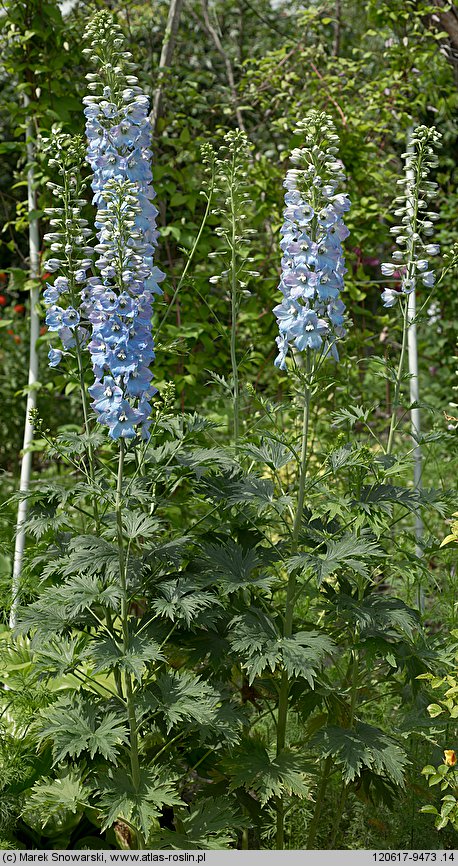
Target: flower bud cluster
[410, 261]
[118, 304]
[72, 254]
[311, 315]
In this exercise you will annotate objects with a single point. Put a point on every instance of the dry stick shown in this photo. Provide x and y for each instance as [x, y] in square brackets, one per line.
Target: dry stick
[213, 33]
[168, 47]
[331, 98]
[26, 466]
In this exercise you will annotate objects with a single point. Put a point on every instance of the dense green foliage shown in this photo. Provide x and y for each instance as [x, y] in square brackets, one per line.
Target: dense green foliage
[197, 662]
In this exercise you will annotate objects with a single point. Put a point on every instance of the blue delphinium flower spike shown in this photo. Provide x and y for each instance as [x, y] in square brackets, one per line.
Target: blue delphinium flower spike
[311, 315]
[118, 303]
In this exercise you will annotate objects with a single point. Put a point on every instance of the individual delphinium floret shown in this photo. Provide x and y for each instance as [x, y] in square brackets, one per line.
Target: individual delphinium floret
[410, 259]
[311, 315]
[69, 243]
[118, 302]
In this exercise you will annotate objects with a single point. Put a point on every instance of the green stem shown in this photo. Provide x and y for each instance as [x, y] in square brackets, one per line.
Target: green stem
[353, 701]
[132, 718]
[338, 818]
[189, 260]
[319, 803]
[397, 387]
[90, 450]
[90, 457]
[234, 307]
[282, 717]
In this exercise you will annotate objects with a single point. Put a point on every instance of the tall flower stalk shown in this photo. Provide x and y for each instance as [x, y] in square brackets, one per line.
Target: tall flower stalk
[105, 318]
[231, 177]
[311, 314]
[118, 302]
[410, 260]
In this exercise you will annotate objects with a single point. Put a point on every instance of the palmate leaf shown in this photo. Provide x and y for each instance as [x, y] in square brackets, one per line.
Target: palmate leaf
[171, 552]
[234, 566]
[209, 825]
[345, 456]
[201, 458]
[272, 453]
[376, 615]
[257, 491]
[140, 805]
[45, 494]
[250, 766]
[67, 792]
[226, 724]
[46, 617]
[138, 524]
[76, 443]
[256, 638]
[91, 554]
[58, 658]
[362, 746]
[84, 591]
[59, 607]
[351, 415]
[387, 495]
[237, 489]
[350, 551]
[182, 698]
[108, 656]
[181, 599]
[304, 653]
[80, 725]
[39, 524]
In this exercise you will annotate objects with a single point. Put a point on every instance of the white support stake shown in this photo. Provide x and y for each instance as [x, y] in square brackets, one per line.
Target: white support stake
[415, 424]
[26, 465]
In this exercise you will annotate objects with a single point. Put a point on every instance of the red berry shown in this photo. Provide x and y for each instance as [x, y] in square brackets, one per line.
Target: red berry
[3, 301]
[19, 309]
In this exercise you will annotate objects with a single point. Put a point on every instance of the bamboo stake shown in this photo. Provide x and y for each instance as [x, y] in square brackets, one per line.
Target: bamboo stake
[26, 465]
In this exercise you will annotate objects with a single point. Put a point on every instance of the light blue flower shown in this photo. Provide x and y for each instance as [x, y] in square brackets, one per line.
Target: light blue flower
[55, 357]
[118, 304]
[311, 314]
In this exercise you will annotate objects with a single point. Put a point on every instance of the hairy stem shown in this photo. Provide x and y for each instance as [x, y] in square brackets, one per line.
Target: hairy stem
[319, 803]
[234, 309]
[132, 718]
[282, 717]
[397, 386]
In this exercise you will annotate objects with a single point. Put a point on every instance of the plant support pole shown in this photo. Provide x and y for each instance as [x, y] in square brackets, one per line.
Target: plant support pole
[414, 389]
[26, 465]
[415, 411]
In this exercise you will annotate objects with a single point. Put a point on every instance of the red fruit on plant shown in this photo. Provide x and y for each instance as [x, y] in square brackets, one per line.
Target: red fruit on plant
[19, 309]
[3, 301]
[43, 330]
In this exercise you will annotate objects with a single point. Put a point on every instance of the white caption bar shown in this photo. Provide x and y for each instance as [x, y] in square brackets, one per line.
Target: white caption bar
[228, 858]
